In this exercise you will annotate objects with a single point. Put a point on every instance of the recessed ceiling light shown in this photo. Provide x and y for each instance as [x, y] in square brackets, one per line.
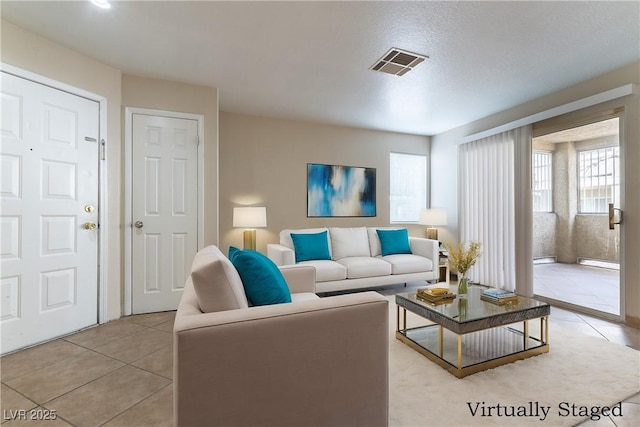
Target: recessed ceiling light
[103, 4]
[398, 62]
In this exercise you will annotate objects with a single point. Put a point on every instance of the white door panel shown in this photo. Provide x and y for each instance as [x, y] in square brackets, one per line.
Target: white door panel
[165, 207]
[49, 260]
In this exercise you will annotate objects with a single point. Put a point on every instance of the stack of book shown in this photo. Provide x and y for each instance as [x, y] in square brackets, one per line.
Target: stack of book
[436, 295]
[498, 296]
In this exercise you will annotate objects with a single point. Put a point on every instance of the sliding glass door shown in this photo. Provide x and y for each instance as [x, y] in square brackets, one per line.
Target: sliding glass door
[575, 177]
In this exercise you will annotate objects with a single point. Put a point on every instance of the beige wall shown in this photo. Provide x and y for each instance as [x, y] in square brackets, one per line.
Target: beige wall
[35, 54]
[184, 98]
[444, 164]
[32, 53]
[263, 162]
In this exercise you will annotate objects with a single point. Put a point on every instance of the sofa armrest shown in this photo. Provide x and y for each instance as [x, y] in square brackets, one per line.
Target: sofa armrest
[280, 254]
[317, 362]
[300, 278]
[427, 248]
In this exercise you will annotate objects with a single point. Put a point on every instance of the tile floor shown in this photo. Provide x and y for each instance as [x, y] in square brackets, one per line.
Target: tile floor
[591, 287]
[120, 373]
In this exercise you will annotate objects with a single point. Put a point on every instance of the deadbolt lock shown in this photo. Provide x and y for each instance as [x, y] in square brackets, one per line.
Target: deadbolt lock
[89, 209]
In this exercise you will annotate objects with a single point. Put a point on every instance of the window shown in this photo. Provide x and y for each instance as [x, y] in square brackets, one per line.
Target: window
[408, 186]
[541, 180]
[598, 179]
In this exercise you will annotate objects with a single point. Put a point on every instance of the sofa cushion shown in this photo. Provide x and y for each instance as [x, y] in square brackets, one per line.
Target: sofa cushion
[408, 263]
[348, 242]
[394, 241]
[358, 267]
[216, 282]
[311, 246]
[327, 271]
[304, 296]
[263, 282]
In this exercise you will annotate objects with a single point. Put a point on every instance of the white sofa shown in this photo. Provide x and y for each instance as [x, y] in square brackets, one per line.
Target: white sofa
[356, 259]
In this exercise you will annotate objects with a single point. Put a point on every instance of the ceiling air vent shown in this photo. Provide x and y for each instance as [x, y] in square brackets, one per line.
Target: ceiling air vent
[398, 62]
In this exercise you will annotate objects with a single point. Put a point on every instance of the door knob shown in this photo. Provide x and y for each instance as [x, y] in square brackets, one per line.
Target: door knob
[138, 224]
[90, 225]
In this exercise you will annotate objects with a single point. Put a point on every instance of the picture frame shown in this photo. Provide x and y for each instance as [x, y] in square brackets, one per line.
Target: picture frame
[340, 191]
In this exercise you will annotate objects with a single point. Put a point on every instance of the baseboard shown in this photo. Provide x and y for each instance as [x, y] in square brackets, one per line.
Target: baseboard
[632, 321]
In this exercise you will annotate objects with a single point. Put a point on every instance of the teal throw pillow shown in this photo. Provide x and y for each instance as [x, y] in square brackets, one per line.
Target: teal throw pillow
[394, 241]
[263, 281]
[311, 246]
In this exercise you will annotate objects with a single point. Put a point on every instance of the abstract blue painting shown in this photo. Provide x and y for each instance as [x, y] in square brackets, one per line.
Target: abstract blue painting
[340, 191]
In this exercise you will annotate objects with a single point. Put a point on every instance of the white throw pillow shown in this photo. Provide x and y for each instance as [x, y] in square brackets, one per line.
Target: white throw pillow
[216, 281]
[348, 242]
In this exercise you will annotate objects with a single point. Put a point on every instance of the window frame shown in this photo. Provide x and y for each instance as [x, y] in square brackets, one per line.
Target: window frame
[393, 206]
[615, 174]
[551, 180]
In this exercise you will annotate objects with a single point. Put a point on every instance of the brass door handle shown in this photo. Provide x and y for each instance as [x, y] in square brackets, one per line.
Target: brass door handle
[90, 225]
[612, 215]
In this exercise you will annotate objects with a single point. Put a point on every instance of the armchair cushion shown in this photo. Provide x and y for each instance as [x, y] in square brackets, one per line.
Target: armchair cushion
[216, 282]
[394, 241]
[263, 282]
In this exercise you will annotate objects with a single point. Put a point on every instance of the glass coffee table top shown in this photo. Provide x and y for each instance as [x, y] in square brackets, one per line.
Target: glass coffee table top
[470, 313]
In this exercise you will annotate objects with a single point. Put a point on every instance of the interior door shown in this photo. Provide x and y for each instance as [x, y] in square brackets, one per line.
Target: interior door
[164, 209]
[49, 220]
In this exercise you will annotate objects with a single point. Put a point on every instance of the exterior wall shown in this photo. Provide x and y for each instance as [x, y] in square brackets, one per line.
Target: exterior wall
[565, 200]
[566, 233]
[544, 233]
[264, 162]
[595, 240]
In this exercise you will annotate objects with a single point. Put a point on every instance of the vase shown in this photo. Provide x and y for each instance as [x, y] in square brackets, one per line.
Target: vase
[463, 285]
[462, 309]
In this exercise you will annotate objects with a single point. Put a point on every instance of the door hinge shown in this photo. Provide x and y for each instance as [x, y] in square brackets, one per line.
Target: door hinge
[198, 141]
[103, 150]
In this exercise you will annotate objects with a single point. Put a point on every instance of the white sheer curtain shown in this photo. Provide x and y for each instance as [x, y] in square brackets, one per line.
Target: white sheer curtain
[487, 180]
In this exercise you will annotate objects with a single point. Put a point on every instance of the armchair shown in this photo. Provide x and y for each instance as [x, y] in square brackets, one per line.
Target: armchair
[312, 362]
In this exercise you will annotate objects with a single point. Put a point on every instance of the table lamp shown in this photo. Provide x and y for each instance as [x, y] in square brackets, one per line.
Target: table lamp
[250, 217]
[431, 218]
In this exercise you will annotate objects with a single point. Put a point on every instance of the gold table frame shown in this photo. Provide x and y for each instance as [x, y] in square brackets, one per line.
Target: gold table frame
[496, 321]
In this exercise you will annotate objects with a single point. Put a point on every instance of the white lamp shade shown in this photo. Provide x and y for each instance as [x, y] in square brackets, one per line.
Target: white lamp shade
[434, 216]
[250, 216]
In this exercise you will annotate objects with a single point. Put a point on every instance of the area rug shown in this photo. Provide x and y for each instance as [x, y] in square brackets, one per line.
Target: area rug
[579, 375]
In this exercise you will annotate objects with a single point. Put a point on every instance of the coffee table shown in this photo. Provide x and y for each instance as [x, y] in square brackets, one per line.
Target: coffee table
[470, 335]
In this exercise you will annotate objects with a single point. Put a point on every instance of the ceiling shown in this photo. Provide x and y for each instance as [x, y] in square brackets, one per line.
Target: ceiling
[311, 60]
[591, 131]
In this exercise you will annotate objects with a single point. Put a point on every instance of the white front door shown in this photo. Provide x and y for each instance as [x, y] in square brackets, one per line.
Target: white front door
[164, 209]
[49, 192]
